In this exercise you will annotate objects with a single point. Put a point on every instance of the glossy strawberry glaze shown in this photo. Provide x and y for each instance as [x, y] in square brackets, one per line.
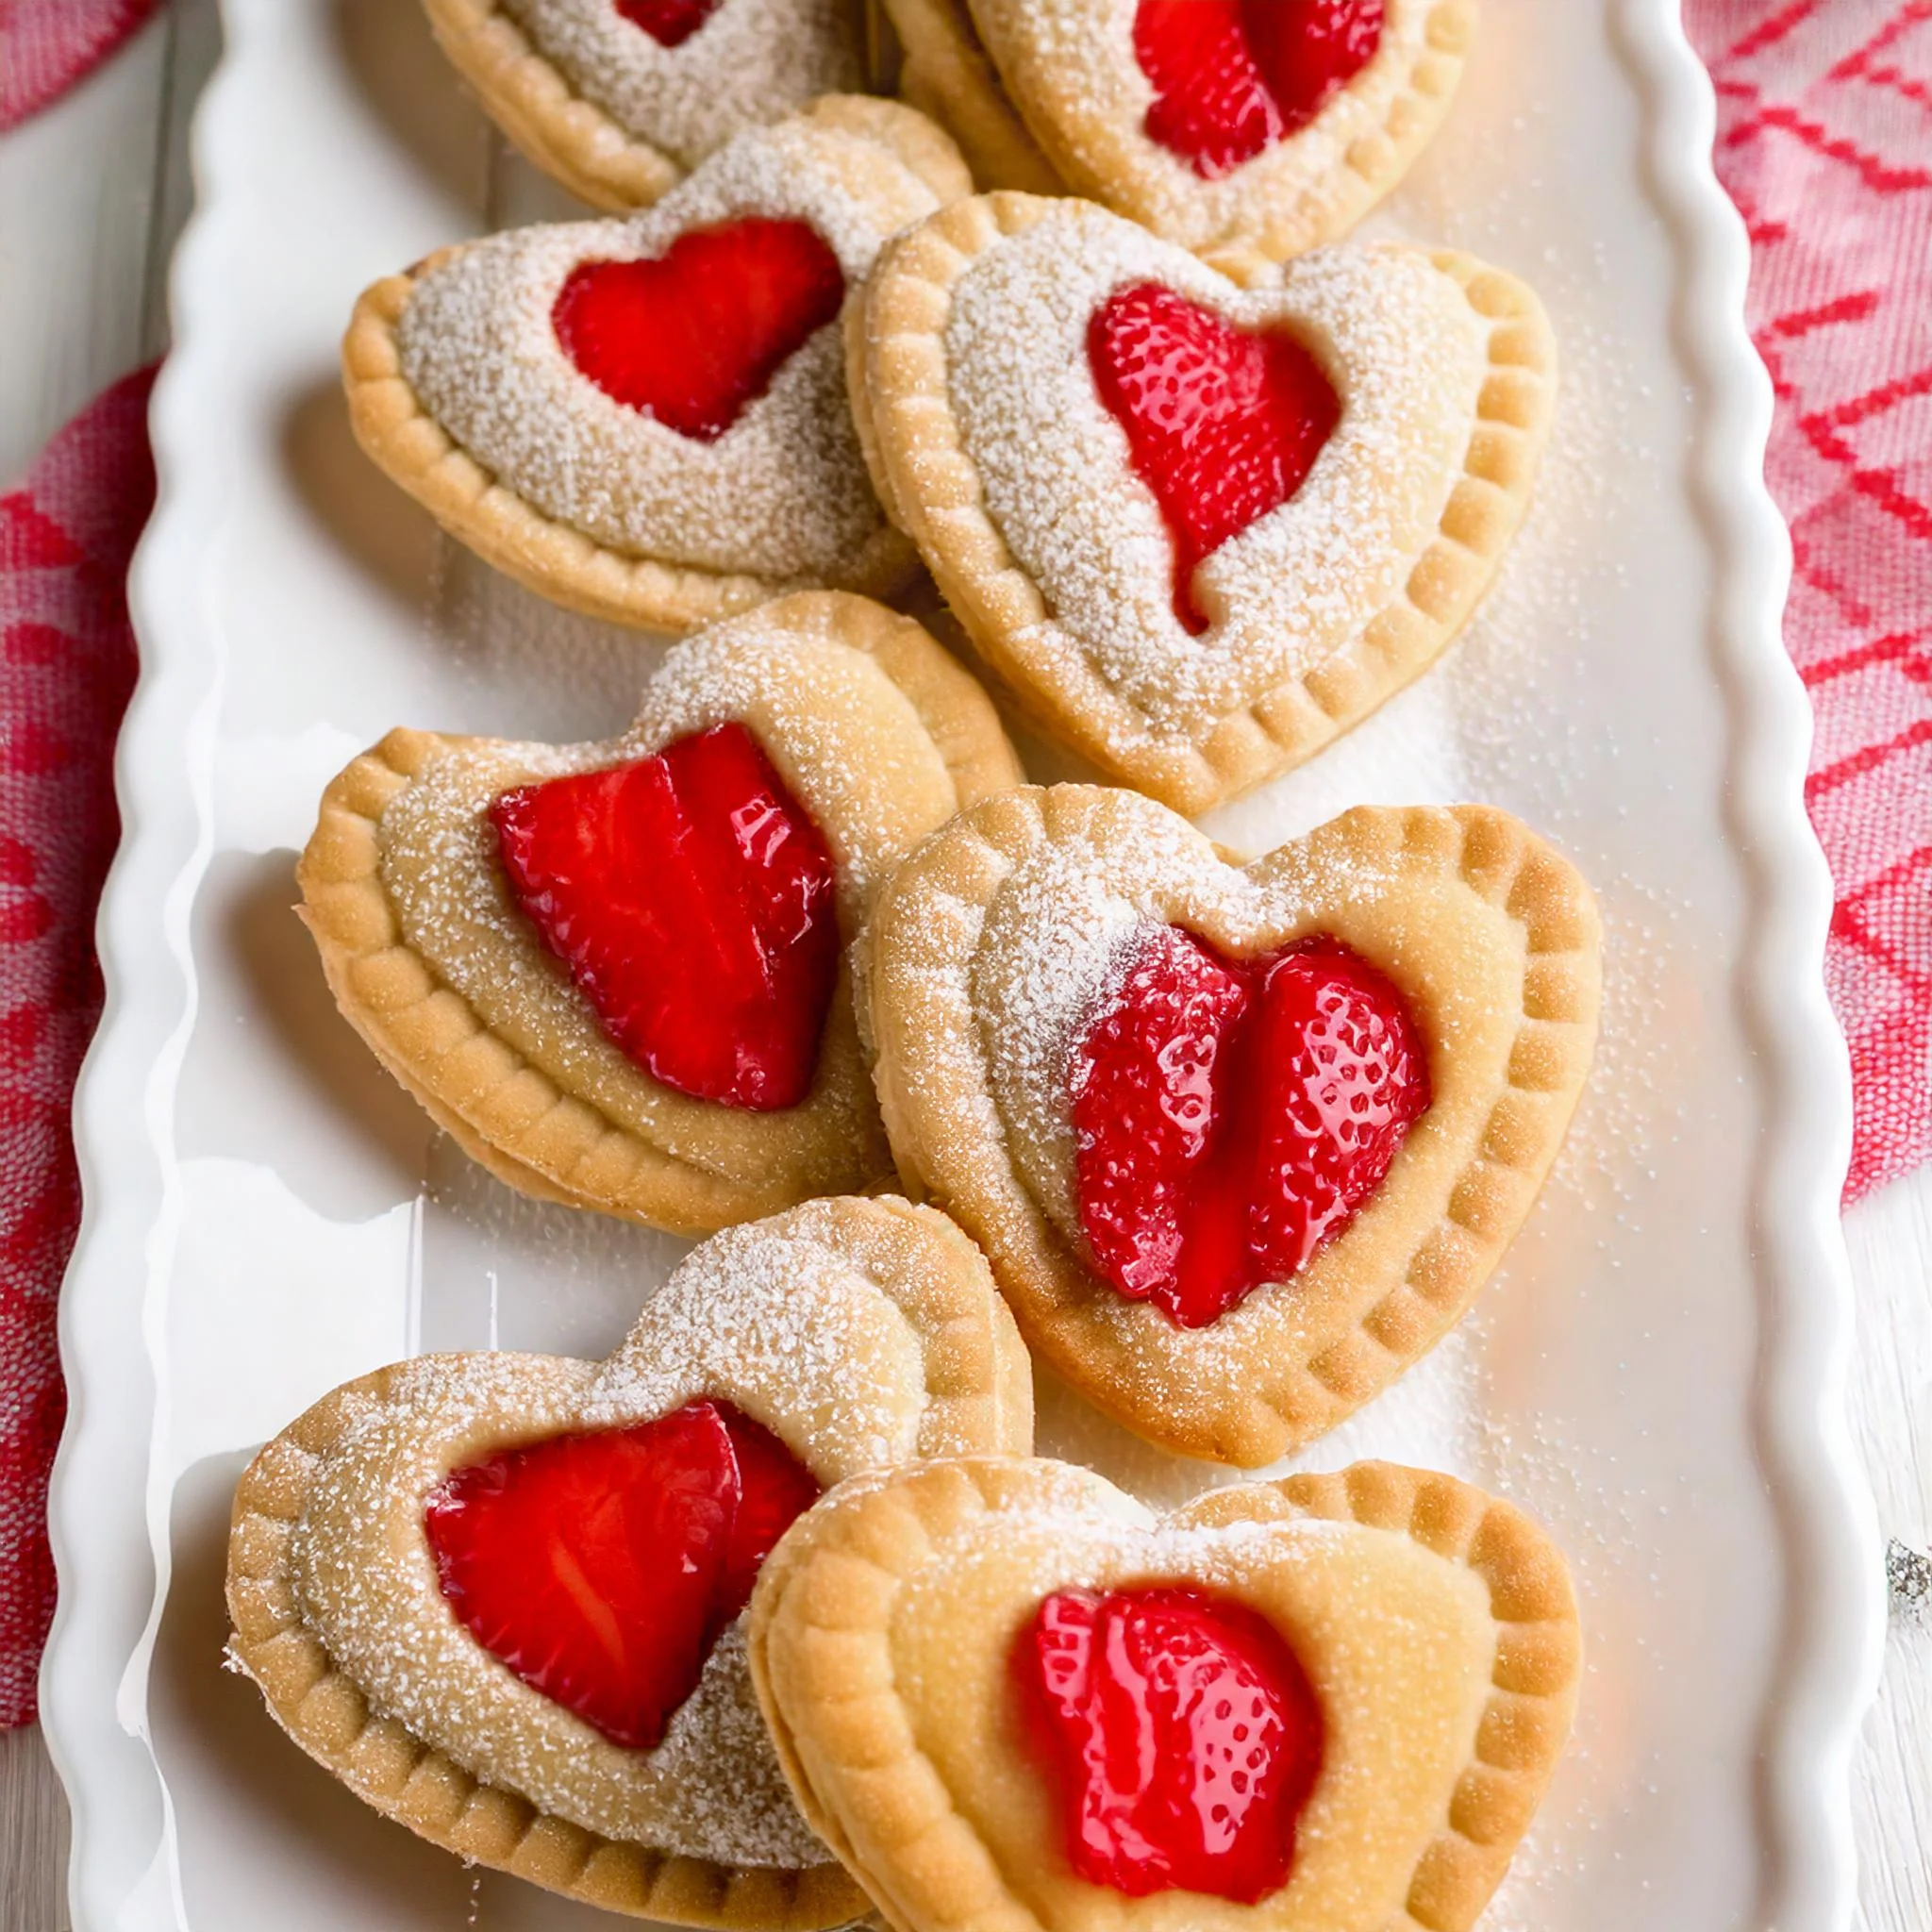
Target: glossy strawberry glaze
[1180, 1735]
[696, 334]
[1231, 78]
[694, 901]
[602, 1568]
[1222, 427]
[1230, 1117]
[669, 23]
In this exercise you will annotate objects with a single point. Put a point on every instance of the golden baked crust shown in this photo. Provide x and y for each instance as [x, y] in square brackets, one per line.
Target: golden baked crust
[570, 138]
[948, 76]
[1263, 718]
[868, 1270]
[473, 1019]
[916, 168]
[979, 976]
[1457, 1729]
[1079, 89]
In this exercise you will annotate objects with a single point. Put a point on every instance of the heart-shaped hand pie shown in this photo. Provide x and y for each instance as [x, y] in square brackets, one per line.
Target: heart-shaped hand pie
[648, 420]
[947, 76]
[1200, 528]
[1009, 1698]
[498, 1595]
[1240, 1142]
[1276, 125]
[619, 98]
[615, 972]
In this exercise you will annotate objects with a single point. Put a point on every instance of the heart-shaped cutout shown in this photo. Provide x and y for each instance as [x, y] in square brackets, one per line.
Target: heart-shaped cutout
[1230, 1259]
[648, 1010]
[695, 334]
[603, 1568]
[647, 419]
[1271, 124]
[1403, 1650]
[498, 1594]
[694, 903]
[1232, 77]
[1181, 1734]
[1222, 427]
[1200, 528]
[1230, 1116]
[669, 23]
[619, 99]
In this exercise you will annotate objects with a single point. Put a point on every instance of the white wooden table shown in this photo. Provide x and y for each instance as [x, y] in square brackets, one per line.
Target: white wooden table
[93, 194]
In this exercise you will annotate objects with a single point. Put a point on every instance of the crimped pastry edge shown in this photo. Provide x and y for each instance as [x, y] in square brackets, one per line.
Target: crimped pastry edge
[545, 1140]
[573, 140]
[1278, 225]
[876, 1533]
[938, 896]
[930, 485]
[403, 1777]
[949, 76]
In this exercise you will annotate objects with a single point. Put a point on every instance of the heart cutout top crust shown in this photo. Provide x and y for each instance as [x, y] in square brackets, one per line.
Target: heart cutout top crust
[619, 99]
[1433, 1630]
[878, 738]
[1097, 441]
[647, 419]
[1005, 1016]
[1270, 125]
[836, 1338]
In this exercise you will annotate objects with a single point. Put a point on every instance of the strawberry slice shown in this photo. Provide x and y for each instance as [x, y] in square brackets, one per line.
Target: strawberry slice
[694, 903]
[1232, 1117]
[1231, 78]
[602, 1568]
[1222, 427]
[669, 23]
[1181, 1735]
[696, 334]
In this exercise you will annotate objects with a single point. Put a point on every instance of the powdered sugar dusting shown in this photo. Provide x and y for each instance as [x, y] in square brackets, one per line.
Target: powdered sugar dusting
[783, 493]
[790, 1319]
[1084, 55]
[1407, 359]
[751, 61]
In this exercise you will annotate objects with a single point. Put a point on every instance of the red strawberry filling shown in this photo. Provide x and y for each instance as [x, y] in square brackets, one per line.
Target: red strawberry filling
[1231, 1116]
[696, 334]
[602, 1568]
[669, 23]
[693, 900]
[1231, 78]
[1181, 1733]
[1222, 427]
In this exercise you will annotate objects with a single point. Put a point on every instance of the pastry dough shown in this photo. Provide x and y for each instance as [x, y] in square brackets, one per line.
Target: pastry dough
[617, 116]
[948, 76]
[1436, 1623]
[859, 1332]
[1073, 75]
[873, 727]
[996, 945]
[993, 449]
[459, 387]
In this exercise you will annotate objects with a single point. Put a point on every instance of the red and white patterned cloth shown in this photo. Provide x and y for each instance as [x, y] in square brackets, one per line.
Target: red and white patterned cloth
[1825, 143]
[46, 45]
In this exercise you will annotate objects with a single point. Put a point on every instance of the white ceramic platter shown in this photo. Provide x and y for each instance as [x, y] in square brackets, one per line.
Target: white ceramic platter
[1656, 1371]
